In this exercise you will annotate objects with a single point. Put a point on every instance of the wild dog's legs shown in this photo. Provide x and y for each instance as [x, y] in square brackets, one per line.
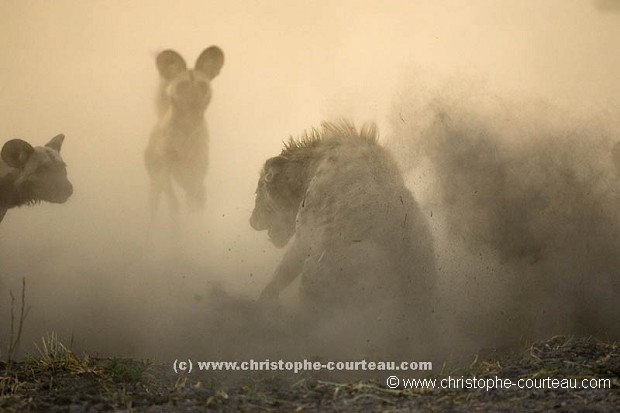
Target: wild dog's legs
[173, 202]
[161, 183]
[196, 197]
[192, 183]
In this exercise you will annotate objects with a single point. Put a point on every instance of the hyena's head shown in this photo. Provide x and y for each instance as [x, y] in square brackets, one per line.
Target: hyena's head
[279, 194]
[39, 172]
[188, 90]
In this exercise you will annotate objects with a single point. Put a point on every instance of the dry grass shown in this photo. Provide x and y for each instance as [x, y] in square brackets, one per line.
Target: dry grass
[54, 355]
[59, 380]
[15, 336]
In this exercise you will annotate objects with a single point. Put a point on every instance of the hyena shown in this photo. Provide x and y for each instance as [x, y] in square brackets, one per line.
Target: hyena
[178, 145]
[358, 239]
[29, 174]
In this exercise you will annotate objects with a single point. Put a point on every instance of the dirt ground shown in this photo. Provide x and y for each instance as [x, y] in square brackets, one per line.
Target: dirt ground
[59, 381]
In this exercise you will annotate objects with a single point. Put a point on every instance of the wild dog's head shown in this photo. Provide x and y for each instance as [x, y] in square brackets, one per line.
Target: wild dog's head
[189, 90]
[39, 173]
[279, 193]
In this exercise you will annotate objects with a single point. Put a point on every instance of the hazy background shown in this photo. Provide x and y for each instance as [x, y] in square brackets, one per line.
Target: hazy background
[86, 69]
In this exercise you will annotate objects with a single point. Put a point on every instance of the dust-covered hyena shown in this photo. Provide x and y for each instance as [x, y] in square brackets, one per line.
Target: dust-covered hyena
[32, 174]
[178, 146]
[357, 237]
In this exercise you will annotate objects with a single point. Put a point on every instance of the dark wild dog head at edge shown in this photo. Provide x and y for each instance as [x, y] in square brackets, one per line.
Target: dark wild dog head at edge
[29, 175]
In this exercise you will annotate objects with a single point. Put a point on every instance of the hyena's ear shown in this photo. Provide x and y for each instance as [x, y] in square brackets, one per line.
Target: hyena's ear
[210, 61]
[170, 64]
[273, 167]
[16, 153]
[56, 142]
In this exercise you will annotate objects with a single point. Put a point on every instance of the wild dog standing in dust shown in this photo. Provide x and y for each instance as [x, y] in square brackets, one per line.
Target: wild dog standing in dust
[30, 174]
[358, 240]
[178, 146]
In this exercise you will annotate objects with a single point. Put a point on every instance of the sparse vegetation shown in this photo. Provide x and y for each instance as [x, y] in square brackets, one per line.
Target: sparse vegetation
[58, 380]
[54, 355]
[9, 385]
[126, 370]
[15, 336]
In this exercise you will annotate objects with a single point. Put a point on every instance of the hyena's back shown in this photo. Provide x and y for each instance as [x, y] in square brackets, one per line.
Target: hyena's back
[356, 237]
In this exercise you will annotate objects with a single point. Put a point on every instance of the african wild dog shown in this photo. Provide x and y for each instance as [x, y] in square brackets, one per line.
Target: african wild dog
[178, 146]
[32, 174]
[357, 237]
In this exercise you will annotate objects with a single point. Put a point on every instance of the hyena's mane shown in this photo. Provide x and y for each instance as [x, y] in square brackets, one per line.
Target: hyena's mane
[327, 136]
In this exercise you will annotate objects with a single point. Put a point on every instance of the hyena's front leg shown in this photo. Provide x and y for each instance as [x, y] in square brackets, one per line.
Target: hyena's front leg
[290, 268]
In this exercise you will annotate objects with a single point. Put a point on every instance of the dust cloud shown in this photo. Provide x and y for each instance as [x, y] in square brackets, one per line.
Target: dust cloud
[537, 236]
[525, 207]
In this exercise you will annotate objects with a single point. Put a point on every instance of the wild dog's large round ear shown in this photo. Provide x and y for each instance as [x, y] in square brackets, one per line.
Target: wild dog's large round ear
[16, 153]
[56, 142]
[273, 166]
[210, 61]
[170, 63]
